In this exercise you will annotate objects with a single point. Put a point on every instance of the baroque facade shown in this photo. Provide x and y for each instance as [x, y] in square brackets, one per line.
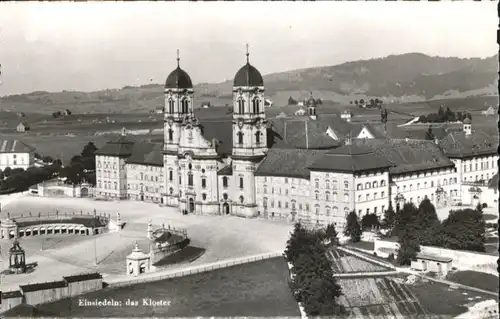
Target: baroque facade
[313, 168]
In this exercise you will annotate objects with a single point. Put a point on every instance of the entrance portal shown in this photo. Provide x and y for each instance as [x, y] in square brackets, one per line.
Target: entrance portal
[225, 208]
[191, 205]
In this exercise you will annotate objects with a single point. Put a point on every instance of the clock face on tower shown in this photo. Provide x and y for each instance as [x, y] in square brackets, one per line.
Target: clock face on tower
[240, 123]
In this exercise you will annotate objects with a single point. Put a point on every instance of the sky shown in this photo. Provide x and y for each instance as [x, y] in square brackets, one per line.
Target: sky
[90, 46]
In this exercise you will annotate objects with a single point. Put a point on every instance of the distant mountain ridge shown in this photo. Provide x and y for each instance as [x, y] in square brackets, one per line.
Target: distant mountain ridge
[396, 76]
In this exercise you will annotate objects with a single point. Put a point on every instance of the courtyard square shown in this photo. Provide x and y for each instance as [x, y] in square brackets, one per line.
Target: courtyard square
[223, 237]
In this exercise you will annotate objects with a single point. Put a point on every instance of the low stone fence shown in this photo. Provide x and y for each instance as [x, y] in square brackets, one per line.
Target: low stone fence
[461, 258]
[168, 274]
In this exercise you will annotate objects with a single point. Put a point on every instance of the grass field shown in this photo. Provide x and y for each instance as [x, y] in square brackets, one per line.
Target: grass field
[440, 299]
[475, 279]
[252, 289]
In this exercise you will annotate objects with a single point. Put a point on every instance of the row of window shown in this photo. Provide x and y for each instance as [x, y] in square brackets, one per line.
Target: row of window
[369, 185]
[368, 197]
[479, 166]
[449, 181]
[257, 137]
[477, 178]
[333, 198]
[294, 180]
[184, 106]
[256, 106]
[334, 184]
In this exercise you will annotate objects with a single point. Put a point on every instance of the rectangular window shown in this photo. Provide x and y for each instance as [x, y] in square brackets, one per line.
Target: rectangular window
[241, 182]
[203, 183]
[170, 175]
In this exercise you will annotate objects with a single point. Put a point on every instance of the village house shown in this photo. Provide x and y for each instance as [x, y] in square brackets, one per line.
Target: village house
[16, 154]
[22, 127]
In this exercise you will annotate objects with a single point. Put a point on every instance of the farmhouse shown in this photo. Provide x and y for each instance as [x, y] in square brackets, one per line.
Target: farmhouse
[16, 154]
[312, 168]
[489, 111]
[22, 127]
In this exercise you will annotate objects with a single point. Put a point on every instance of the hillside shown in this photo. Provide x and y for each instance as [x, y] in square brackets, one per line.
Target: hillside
[406, 77]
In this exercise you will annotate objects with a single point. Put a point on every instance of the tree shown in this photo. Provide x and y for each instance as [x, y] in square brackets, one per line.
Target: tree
[408, 248]
[7, 171]
[429, 135]
[352, 228]
[429, 231]
[389, 220]
[464, 229]
[89, 150]
[292, 101]
[356, 102]
[372, 103]
[362, 102]
[331, 234]
[370, 221]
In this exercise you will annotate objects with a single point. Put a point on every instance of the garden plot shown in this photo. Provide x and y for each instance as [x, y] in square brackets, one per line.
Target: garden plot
[345, 263]
[379, 297]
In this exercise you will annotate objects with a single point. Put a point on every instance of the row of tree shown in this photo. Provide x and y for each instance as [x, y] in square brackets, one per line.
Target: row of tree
[292, 101]
[445, 115]
[18, 180]
[81, 168]
[464, 229]
[373, 103]
[313, 283]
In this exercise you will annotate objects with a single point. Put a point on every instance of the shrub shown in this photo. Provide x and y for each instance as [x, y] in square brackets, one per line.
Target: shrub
[485, 205]
[390, 257]
[375, 254]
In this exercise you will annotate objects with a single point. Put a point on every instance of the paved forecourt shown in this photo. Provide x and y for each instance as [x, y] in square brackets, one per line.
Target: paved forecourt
[223, 237]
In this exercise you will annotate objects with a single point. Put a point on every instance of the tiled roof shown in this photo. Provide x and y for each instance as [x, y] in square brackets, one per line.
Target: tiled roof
[121, 146]
[458, 145]
[83, 277]
[379, 130]
[43, 286]
[11, 294]
[288, 162]
[293, 132]
[220, 130]
[350, 158]
[226, 171]
[146, 154]
[15, 146]
[408, 156]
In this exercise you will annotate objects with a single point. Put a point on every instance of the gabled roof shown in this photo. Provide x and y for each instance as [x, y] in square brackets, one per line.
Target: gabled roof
[459, 145]
[409, 156]
[146, 154]
[350, 158]
[15, 146]
[82, 277]
[120, 146]
[288, 162]
[226, 170]
[43, 286]
[306, 133]
[222, 132]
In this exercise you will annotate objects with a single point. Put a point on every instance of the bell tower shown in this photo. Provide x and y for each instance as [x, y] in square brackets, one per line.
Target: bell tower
[249, 137]
[178, 107]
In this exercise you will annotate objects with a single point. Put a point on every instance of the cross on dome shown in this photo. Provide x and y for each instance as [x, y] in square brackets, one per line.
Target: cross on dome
[178, 58]
[248, 54]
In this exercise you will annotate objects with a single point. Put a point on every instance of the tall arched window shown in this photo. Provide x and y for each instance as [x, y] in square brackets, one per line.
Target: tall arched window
[257, 137]
[171, 106]
[241, 182]
[241, 106]
[170, 135]
[241, 199]
[190, 179]
[255, 105]
[224, 181]
[170, 174]
[185, 106]
[335, 197]
[327, 196]
[240, 137]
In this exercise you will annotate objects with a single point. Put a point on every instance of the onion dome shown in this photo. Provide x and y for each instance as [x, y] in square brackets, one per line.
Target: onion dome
[467, 121]
[311, 102]
[248, 75]
[178, 78]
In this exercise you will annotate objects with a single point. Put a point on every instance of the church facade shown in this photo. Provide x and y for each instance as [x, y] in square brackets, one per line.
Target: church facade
[314, 168]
